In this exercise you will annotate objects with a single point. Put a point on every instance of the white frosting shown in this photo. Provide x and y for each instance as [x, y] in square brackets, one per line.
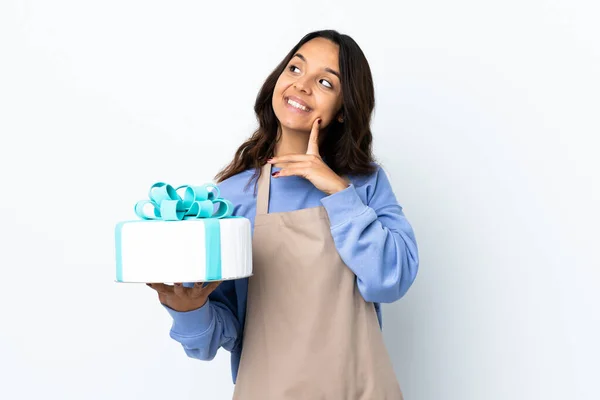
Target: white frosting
[174, 251]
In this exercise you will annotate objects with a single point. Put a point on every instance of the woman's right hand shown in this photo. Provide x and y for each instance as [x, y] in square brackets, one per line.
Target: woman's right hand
[181, 298]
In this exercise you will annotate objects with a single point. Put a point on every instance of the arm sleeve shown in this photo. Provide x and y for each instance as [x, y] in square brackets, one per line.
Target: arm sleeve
[375, 240]
[204, 330]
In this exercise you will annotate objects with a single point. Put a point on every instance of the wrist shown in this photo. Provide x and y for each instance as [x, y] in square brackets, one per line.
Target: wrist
[341, 185]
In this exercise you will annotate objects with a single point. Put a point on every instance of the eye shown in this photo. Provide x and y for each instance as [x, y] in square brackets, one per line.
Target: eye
[330, 86]
[291, 68]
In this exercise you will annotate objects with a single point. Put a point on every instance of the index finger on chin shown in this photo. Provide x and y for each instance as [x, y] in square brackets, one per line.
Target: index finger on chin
[313, 140]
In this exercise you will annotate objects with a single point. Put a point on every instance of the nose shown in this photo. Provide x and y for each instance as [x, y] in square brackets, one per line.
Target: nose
[301, 84]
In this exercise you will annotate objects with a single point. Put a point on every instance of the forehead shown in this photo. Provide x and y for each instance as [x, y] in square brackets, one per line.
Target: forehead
[320, 52]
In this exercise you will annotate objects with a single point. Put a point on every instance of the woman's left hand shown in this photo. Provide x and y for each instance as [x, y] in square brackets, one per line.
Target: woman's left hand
[311, 166]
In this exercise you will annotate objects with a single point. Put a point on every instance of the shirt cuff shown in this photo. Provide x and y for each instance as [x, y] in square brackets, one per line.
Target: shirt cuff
[191, 323]
[344, 205]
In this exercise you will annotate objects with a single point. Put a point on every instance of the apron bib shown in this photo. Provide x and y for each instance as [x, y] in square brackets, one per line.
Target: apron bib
[308, 334]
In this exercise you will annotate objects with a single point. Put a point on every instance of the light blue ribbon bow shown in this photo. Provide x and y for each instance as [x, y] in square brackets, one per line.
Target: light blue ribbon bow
[197, 202]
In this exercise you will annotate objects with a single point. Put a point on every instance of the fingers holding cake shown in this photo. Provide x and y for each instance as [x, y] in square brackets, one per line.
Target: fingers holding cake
[164, 292]
[200, 290]
[181, 298]
[161, 287]
[179, 290]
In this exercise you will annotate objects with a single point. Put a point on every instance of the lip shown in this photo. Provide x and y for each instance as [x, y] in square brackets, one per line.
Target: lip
[299, 101]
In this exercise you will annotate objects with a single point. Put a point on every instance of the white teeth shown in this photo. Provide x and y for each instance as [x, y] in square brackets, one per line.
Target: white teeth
[297, 105]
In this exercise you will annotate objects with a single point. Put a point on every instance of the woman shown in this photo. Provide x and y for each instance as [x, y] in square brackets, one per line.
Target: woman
[330, 241]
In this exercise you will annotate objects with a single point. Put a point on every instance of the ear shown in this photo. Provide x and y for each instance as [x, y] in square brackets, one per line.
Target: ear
[340, 118]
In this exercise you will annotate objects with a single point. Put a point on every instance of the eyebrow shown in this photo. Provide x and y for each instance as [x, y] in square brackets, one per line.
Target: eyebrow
[300, 56]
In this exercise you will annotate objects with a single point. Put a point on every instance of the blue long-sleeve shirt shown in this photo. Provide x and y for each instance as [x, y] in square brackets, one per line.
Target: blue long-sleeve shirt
[370, 232]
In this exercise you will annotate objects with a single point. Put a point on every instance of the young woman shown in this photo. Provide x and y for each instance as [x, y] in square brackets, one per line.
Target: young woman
[330, 241]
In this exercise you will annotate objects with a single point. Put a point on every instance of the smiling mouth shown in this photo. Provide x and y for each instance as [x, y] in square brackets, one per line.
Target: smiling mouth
[297, 106]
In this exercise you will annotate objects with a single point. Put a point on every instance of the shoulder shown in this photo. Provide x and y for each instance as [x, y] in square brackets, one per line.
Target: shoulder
[238, 189]
[368, 181]
[236, 182]
[373, 186]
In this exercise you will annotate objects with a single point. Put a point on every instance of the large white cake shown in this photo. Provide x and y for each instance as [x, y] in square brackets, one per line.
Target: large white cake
[183, 239]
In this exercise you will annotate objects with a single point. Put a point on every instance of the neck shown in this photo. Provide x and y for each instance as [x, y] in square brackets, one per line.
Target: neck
[291, 142]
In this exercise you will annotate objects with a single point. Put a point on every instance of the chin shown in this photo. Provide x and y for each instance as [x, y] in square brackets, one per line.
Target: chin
[291, 123]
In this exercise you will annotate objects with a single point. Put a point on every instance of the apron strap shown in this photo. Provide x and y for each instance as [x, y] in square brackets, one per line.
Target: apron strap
[264, 183]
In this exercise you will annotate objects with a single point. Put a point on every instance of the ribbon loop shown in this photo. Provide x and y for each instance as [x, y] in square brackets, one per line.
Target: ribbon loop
[194, 202]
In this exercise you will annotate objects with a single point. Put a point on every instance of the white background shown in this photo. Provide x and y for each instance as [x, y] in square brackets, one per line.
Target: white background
[486, 122]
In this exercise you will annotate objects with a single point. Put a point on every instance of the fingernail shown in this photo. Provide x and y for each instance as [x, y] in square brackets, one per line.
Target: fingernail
[178, 284]
[275, 173]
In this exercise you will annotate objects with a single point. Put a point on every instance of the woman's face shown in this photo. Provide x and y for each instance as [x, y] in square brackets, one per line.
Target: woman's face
[309, 87]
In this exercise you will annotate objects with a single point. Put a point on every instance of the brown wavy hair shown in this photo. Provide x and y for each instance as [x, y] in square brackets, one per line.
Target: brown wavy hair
[345, 146]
